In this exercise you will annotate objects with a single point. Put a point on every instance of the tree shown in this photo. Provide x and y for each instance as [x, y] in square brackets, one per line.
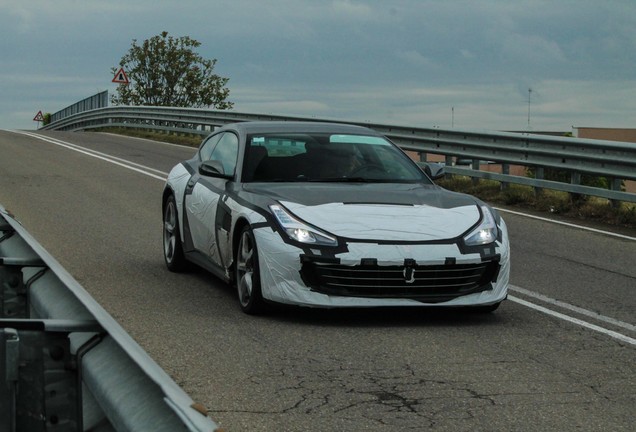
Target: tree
[166, 71]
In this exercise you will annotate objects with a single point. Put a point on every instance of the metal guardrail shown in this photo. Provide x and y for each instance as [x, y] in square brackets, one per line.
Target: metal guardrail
[611, 159]
[100, 100]
[65, 363]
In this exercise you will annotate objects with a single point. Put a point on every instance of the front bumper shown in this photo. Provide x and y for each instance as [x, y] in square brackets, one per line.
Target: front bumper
[370, 274]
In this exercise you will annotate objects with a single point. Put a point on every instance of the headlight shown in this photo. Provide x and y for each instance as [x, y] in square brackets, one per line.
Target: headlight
[300, 231]
[485, 232]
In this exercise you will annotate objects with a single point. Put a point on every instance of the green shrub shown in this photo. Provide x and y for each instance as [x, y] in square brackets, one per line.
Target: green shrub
[549, 201]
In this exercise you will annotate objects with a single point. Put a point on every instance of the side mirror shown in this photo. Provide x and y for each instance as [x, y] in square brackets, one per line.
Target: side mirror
[213, 168]
[434, 171]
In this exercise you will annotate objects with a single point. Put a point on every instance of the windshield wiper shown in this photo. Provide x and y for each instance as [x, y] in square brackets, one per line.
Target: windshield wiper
[348, 180]
[281, 180]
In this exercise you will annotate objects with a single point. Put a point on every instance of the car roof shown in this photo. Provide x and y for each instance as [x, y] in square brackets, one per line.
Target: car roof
[252, 127]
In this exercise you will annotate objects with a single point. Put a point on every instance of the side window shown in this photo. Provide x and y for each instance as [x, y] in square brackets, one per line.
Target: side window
[206, 148]
[226, 152]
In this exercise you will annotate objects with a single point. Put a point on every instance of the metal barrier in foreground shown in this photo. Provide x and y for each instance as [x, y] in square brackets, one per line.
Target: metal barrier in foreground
[65, 363]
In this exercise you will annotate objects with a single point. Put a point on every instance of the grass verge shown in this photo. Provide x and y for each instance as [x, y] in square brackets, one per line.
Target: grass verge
[549, 201]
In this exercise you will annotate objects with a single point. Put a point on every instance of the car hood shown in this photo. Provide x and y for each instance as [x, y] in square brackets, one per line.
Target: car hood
[377, 211]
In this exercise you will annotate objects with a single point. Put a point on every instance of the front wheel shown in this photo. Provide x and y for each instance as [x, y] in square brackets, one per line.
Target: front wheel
[248, 279]
[172, 245]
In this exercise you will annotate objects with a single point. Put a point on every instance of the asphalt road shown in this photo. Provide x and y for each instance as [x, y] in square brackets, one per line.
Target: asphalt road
[535, 364]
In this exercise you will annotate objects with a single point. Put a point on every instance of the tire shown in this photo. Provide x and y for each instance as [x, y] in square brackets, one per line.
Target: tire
[172, 245]
[248, 278]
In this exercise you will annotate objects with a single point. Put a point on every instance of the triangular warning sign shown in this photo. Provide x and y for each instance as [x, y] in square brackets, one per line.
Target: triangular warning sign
[120, 77]
[38, 117]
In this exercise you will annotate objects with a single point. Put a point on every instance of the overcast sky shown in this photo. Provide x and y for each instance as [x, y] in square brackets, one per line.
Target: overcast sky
[430, 63]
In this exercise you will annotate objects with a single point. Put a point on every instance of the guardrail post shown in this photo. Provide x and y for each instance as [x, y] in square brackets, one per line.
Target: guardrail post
[575, 179]
[475, 166]
[41, 379]
[448, 161]
[9, 361]
[505, 170]
[615, 184]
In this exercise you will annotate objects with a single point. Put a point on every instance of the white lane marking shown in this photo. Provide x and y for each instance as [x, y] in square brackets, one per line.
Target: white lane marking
[545, 310]
[571, 225]
[579, 310]
[103, 156]
[573, 320]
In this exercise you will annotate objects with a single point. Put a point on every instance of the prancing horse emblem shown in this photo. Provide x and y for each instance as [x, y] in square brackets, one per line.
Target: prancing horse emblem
[409, 275]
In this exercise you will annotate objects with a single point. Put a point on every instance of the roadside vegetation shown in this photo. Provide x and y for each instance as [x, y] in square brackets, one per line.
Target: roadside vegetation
[167, 71]
[549, 201]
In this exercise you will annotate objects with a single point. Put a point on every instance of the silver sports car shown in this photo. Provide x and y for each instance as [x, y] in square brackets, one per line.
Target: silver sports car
[330, 215]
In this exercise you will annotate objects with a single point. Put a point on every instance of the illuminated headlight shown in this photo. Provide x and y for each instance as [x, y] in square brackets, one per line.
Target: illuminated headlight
[300, 231]
[485, 232]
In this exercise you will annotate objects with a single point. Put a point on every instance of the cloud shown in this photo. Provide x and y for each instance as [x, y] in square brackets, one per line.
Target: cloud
[403, 61]
[17, 19]
[556, 105]
[352, 10]
[414, 58]
[531, 50]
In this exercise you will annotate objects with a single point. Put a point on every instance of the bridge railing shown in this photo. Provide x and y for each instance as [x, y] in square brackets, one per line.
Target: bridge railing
[65, 363]
[614, 160]
[99, 100]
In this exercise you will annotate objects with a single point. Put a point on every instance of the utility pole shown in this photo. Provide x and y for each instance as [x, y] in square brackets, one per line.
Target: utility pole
[452, 117]
[529, 93]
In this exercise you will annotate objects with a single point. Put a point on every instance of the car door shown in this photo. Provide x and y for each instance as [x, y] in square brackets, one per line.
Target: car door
[204, 193]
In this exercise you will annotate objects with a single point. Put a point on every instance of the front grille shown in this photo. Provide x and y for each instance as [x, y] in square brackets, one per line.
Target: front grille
[431, 284]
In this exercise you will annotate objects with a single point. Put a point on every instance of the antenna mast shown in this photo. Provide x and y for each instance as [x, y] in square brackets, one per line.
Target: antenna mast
[529, 93]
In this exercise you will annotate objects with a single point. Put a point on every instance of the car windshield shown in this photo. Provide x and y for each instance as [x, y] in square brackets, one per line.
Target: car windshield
[326, 158]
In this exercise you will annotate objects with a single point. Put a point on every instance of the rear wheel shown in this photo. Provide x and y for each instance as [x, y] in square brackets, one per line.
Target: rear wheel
[172, 245]
[248, 279]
